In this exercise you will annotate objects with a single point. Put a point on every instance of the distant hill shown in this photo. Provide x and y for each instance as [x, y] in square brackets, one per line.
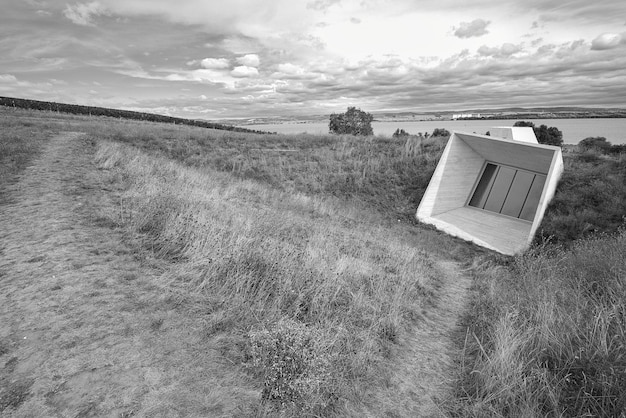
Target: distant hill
[115, 113]
[508, 113]
[502, 113]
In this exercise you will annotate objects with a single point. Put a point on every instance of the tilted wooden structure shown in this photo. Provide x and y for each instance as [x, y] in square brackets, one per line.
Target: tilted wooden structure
[492, 190]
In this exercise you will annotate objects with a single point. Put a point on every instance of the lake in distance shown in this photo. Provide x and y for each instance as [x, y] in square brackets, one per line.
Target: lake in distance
[574, 130]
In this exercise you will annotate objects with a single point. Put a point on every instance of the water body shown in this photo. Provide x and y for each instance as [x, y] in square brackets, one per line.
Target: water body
[574, 130]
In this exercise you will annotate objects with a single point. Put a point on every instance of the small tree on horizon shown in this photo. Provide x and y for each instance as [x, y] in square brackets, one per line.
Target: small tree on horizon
[354, 122]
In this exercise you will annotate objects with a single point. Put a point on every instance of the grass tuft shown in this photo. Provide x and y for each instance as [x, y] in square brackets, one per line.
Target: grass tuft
[548, 335]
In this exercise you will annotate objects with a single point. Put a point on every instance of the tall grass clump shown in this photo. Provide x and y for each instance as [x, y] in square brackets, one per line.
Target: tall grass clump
[304, 278]
[547, 335]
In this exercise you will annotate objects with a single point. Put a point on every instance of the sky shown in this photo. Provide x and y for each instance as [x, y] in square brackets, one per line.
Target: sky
[210, 59]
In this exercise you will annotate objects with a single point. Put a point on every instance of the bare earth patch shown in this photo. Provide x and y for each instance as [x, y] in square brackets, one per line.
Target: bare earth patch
[84, 329]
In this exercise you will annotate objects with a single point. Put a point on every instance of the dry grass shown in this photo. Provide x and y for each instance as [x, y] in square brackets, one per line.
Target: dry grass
[275, 239]
[372, 172]
[255, 256]
[251, 232]
[19, 143]
[548, 334]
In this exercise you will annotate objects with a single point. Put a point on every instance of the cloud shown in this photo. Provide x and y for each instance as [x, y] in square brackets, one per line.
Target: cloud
[477, 27]
[321, 5]
[506, 50]
[244, 71]
[7, 78]
[84, 14]
[355, 20]
[608, 41]
[292, 71]
[249, 60]
[289, 68]
[215, 63]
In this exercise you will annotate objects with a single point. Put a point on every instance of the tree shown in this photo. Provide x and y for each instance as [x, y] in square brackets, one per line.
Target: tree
[353, 122]
[441, 132]
[545, 135]
[595, 143]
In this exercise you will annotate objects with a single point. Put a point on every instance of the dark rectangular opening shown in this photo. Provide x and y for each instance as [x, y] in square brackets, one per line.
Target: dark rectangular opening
[509, 191]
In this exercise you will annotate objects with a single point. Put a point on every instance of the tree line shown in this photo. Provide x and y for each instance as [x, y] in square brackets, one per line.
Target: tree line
[115, 113]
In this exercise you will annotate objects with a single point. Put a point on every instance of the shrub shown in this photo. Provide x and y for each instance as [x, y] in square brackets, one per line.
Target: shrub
[295, 365]
[595, 143]
[590, 198]
[545, 135]
[353, 122]
[617, 149]
[440, 132]
[400, 133]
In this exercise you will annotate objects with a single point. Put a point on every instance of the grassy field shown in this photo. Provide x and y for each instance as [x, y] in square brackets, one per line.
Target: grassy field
[294, 254]
[301, 255]
[530, 350]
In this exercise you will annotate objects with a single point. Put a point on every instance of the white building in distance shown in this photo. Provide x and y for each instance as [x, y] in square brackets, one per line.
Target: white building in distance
[466, 116]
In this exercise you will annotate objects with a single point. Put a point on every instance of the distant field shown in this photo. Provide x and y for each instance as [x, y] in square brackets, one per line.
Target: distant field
[301, 258]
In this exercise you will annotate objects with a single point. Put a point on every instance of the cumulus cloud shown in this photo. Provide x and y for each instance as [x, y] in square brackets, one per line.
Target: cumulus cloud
[477, 27]
[289, 68]
[244, 71]
[84, 13]
[249, 60]
[506, 50]
[608, 41]
[215, 63]
[291, 71]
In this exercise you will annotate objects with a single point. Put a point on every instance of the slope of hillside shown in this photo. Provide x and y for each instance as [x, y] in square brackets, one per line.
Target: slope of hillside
[134, 285]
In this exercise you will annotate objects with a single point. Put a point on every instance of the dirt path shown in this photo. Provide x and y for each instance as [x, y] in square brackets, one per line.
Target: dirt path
[424, 371]
[84, 329]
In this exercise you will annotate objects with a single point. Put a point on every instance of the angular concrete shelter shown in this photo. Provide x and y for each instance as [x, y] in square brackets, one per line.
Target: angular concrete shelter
[492, 190]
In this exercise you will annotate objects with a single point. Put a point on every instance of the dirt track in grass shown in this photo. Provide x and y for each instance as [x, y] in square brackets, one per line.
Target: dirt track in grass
[85, 329]
[427, 361]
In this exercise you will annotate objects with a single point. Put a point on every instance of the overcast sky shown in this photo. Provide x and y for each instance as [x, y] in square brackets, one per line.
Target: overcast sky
[246, 58]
